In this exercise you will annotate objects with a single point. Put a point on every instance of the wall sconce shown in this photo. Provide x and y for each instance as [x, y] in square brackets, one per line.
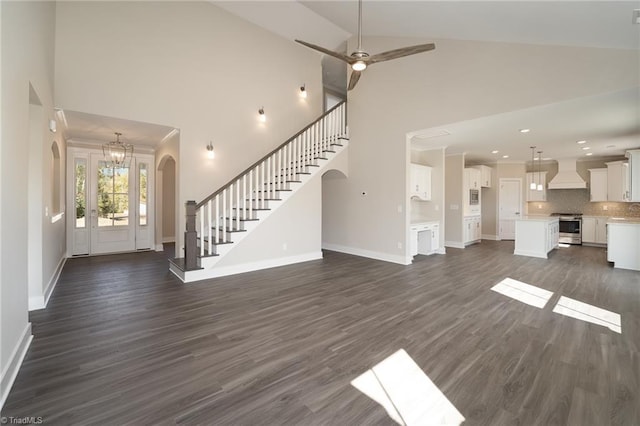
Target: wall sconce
[210, 154]
[303, 91]
[262, 115]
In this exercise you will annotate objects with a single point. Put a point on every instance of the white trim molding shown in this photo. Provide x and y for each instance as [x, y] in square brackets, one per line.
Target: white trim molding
[223, 271]
[402, 260]
[40, 302]
[14, 362]
[169, 239]
[490, 237]
[454, 244]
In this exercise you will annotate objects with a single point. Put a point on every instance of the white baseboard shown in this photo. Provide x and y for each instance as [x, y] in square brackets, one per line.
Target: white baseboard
[12, 367]
[402, 260]
[159, 247]
[169, 239]
[223, 271]
[454, 244]
[490, 237]
[40, 302]
[442, 250]
[530, 254]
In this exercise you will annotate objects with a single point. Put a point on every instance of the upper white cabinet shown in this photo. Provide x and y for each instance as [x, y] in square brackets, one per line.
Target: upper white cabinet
[598, 184]
[472, 178]
[420, 182]
[485, 176]
[634, 173]
[618, 181]
[537, 178]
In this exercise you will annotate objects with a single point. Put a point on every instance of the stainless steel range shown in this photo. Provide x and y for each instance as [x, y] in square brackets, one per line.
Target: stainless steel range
[570, 227]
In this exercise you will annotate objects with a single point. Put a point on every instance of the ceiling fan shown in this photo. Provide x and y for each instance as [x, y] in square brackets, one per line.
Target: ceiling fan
[360, 60]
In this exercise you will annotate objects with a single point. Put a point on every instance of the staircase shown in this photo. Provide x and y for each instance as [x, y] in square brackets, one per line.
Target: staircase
[218, 223]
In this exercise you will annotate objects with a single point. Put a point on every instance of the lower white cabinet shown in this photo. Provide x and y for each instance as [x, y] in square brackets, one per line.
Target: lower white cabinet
[472, 228]
[425, 238]
[594, 230]
[536, 236]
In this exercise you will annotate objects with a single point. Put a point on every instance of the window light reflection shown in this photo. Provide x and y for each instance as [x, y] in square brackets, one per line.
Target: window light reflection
[525, 293]
[406, 393]
[589, 313]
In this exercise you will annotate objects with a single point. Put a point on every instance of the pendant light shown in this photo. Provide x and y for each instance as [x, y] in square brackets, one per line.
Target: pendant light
[540, 187]
[116, 153]
[532, 185]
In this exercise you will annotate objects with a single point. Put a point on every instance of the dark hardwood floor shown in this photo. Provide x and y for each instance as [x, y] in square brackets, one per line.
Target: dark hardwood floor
[124, 342]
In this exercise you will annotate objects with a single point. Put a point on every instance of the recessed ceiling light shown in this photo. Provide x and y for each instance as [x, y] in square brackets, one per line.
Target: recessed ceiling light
[525, 130]
[505, 156]
[586, 148]
[495, 151]
[581, 142]
[611, 146]
[589, 153]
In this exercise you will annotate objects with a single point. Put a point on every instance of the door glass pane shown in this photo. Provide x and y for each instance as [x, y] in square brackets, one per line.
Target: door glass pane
[143, 194]
[81, 192]
[113, 195]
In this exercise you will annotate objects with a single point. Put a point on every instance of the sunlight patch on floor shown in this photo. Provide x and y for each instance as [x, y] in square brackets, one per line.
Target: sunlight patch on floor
[525, 293]
[406, 393]
[585, 312]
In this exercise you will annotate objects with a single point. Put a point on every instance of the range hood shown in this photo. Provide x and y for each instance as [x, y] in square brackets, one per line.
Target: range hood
[567, 177]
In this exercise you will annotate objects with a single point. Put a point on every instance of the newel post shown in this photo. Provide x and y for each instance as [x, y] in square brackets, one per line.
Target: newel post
[190, 238]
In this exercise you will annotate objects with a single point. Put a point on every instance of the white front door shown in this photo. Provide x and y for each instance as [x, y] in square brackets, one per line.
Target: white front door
[113, 209]
[510, 207]
[112, 206]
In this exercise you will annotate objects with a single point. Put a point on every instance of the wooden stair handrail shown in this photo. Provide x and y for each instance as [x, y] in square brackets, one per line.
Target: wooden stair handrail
[210, 197]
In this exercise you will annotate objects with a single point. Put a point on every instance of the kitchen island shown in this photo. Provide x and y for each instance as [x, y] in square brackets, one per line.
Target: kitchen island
[536, 236]
[623, 243]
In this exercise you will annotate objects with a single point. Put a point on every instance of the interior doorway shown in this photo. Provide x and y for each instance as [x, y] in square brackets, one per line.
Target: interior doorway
[167, 199]
[510, 207]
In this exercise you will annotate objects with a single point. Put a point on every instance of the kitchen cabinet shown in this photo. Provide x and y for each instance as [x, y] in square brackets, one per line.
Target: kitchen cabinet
[485, 176]
[634, 174]
[623, 243]
[420, 182]
[425, 238]
[472, 178]
[598, 185]
[472, 229]
[536, 236]
[537, 178]
[594, 230]
[618, 181]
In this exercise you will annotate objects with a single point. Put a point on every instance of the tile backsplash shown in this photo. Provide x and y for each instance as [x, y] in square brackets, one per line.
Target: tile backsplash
[577, 201]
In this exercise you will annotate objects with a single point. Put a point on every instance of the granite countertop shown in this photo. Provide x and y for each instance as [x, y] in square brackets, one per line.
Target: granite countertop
[538, 218]
[624, 220]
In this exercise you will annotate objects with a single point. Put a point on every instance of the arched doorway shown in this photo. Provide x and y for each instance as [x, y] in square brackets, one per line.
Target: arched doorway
[166, 207]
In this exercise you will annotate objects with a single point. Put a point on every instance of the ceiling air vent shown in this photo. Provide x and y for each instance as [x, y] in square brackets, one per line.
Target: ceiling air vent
[432, 133]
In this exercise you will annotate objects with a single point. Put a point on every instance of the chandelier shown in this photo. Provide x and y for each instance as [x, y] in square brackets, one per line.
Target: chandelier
[116, 153]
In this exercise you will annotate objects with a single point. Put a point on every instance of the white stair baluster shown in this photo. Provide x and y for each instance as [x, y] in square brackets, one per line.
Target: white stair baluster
[250, 193]
[210, 227]
[225, 214]
[216, 233]
[202, 234]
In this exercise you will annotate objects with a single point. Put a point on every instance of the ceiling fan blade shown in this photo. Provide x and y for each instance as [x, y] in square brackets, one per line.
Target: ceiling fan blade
[355, 76]
[337, 55]
[399, 53]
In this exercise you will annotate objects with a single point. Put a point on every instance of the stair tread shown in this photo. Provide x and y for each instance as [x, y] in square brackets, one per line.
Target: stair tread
[252, 209]
[264, 199]
[215, 243]
[179, 263]
[229, 229]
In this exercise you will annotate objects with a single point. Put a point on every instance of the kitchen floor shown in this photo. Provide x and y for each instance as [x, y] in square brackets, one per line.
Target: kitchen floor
[122, 341]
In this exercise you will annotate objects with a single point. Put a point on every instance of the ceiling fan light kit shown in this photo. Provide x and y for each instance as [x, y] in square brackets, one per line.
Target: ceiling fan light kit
[360, 60]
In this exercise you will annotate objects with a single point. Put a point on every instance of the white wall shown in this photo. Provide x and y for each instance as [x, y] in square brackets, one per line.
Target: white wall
[27, 57]
[189, 65]
[460, 80]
